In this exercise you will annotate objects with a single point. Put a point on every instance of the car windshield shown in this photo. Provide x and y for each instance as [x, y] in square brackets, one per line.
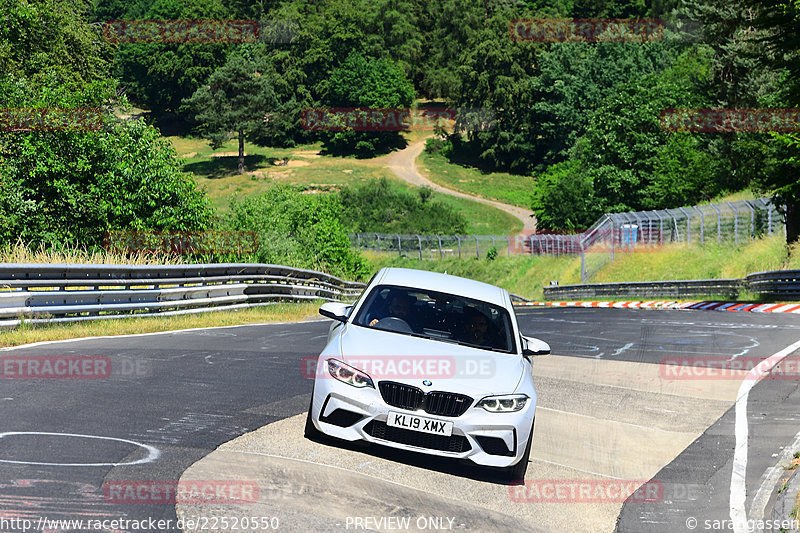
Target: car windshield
[437, 316]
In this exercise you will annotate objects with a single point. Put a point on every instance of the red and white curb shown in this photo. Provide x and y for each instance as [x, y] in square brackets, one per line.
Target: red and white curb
[735, 307]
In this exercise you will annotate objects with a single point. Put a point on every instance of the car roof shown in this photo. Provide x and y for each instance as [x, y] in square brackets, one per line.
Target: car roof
[434, 281]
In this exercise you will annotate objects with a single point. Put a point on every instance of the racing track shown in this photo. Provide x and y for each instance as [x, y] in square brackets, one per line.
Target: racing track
[606, 413]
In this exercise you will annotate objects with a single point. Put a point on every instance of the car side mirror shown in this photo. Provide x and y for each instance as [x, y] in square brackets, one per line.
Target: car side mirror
[533, 347]
[335, 310]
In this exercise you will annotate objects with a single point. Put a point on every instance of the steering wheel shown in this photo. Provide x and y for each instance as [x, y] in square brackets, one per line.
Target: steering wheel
[392, 323]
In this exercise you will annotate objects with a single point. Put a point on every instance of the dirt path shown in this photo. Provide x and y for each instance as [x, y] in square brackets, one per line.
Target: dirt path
[404, 164]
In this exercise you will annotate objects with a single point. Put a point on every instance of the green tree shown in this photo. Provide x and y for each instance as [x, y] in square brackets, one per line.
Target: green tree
[363, 82]
[73, 186]
[51, 39]
[779, 20]
[159, 76]
[237, 101]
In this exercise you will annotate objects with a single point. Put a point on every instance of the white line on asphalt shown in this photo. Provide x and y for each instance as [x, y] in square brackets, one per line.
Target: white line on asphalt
[738, 476]
[626, 347]
[152, 452]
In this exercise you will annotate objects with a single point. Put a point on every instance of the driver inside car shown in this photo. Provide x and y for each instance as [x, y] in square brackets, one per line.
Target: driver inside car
[399, 307]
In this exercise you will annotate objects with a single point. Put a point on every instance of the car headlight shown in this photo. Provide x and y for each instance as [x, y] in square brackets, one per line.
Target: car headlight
[348, 374]
[507, 403]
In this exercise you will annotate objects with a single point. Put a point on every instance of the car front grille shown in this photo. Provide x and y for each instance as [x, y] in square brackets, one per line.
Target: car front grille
[454, 443]
[402, 396]
[434, 403]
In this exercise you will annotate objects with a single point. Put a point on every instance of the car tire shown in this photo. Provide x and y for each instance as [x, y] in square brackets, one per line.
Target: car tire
[311, 432]
[516, 473]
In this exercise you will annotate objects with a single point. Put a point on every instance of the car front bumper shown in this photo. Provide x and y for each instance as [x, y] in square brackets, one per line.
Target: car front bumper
[476, 433]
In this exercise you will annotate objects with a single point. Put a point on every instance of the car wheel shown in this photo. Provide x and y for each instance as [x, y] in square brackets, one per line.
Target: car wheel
[516, 473]
[311, 431]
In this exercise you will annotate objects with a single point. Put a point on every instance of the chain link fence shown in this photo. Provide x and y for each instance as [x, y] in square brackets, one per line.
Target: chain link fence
[434, 246]
[736, 222]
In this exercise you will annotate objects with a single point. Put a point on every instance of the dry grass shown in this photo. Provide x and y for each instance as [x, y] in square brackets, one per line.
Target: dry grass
[21, 253]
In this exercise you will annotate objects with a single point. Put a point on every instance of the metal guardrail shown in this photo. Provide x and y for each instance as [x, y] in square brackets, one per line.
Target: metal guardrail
[775, 284]
[41, 293]
[728, 288]
[779, 283]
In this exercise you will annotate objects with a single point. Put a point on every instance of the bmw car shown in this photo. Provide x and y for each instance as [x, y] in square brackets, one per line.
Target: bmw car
[430, 363]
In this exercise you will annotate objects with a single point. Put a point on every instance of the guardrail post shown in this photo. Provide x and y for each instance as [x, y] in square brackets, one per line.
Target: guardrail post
[419, 241]
[441, 254]
[399, 246]
[477, 247]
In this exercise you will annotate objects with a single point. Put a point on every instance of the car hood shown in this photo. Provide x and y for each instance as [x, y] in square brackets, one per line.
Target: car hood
[449, 367]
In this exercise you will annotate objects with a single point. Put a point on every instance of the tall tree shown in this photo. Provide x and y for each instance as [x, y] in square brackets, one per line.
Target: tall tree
[780, 20]
[237, 101]
[363, 82]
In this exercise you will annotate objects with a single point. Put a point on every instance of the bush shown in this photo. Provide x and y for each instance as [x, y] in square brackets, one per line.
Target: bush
[377, 207]
[299, 230]
[564, 198]
[438, 145]
[74, 186]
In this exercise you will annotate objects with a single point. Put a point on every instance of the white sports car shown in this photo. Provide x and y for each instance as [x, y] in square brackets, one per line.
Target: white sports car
[430, 363]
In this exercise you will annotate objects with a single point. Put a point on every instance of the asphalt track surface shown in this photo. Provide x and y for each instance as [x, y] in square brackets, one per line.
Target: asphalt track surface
[195, 390]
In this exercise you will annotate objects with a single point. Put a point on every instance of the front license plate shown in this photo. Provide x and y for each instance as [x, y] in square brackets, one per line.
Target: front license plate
[419, 423]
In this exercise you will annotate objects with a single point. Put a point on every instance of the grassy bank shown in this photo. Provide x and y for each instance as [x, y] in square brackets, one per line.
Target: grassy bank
[527, 276]
[215, 171]
[502, 186]
[281, 312]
